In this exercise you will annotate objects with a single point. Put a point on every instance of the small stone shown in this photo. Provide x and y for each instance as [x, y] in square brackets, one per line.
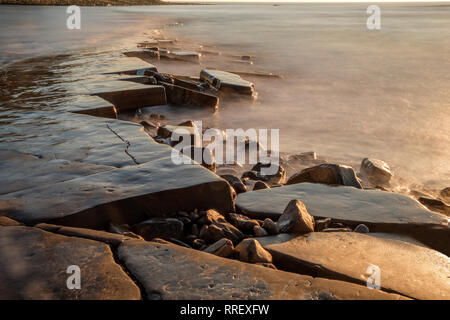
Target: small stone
[321, 224]
[267, 265]
[159, 228]
[259, 231]
[235, 182]
[217, 231]
[278, 177]
[191, 238]
[445, 194]
[210, 216]
[195, 230]
[252, 175]
[183, 214]
[242, 222]
[296, 219]
[362, 228]
[222, 248]
[271, 226]
[198, 243]
[193, 216]
[250, 250]
[435, 205]
[377, 172]
[327, 173]
[259, 185]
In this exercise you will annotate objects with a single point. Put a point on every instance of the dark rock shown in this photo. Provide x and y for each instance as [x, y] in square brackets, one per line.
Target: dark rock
[253, 175]
[361, 228]
[185, 97]
[198, 244]
[320, 224]
[259, 185]
[195, 230]
[377, 172]
[333, 174]
[193, 216]
[278, 177]
[242, 222]
[210, 216]
[160, 228]
[235, 182]
[222, 248]
[270, 226]
[296, 219]
[8, 222]
[178, 242]
[191, 238]
[250, 250]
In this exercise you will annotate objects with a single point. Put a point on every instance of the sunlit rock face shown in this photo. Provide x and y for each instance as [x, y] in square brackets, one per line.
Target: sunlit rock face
[407, 269]
[33, 265]
[172, 272]
[226, 81]
[381, 211]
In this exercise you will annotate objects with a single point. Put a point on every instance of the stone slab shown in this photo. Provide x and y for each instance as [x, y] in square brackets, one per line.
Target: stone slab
[122, 196]
[33, 265]
[406, 269]
[381, 211]
[173, 272]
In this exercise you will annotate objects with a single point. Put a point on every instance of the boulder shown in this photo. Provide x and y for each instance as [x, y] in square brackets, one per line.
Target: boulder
[34, 264]
[270, 226]
[259, 185]
[250, 250]
[242, 222]
[380, 211]
[333, 174]
[445, 194]
[222, 248]
[171, 272]
[259, 231]
[296, 219]
[160, 228]
[235, 182]
[406, 269]
[227, 82]
[376, 172]
[210, 216]
[278, 177]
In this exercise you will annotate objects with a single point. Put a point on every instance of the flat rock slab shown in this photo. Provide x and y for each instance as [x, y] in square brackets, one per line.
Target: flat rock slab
[126, 195]
[174, 272]
[381, 211]
[223, 80]
[406, 269]
[33, 265]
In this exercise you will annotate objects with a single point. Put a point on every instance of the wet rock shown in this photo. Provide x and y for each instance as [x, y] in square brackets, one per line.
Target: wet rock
[377, 172]
[333, 174]
[270, 226]
[259, 185]
[253, 175]
[235, 182]
[250, 250]
[227, 82]
[143, 54]
[361, 228]
[215, 232]
[34, 267]
[179, 273]
[135, 98]
[186, 97]
[242, 222]
[278, 177]
[160, 228]
[166, 132]
[186, 55]
[8, 222]
[320, 224]
[407, 269]
[222, 248]
[103, 112]
[435, 205]
[259, 231]
[296, 219]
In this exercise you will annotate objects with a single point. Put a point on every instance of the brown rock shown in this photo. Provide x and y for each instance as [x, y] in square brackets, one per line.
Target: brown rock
[210, 216]
[250, 250]
[320, 224]
[217, 231]
[445, 194]
[8, 222]
[326, 173]
[222, 248]
[242, 222]
[235, 182]
[278, 177]
[377, 172]
[198, 243]
[259, 185]
[185, 97]
[259, 231]
[435, 205]
[270, 226]
[296, 219]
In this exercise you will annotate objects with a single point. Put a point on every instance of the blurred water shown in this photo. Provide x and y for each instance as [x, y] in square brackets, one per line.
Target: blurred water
[348, 92]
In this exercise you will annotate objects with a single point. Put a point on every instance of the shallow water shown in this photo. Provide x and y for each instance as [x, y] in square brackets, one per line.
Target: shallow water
[348, 92]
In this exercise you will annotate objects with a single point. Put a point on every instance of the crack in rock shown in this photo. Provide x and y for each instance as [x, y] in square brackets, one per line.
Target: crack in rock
[128, 144]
